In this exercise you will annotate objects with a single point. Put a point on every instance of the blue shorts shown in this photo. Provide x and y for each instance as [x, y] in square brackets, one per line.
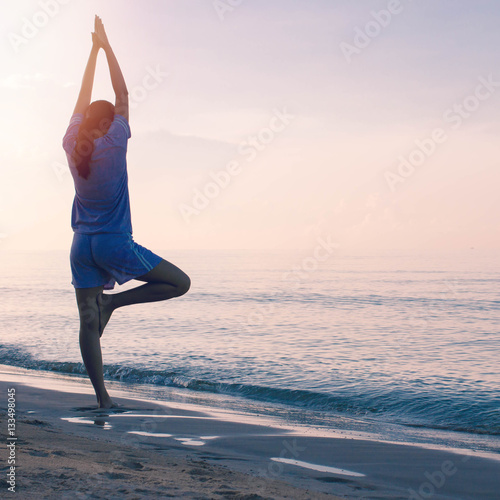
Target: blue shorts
[105, 258]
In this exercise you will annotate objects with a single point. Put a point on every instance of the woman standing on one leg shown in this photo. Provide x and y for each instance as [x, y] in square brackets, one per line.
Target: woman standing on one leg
[103, 251]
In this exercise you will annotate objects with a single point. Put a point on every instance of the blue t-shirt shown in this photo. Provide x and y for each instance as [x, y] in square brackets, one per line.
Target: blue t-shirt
[101, 203]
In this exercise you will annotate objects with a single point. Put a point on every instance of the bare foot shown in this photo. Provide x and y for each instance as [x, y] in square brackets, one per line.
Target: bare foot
[105, 305]
[109, 404]
[105, 402]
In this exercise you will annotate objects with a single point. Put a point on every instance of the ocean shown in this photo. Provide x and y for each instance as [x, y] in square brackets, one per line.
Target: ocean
[402, 346]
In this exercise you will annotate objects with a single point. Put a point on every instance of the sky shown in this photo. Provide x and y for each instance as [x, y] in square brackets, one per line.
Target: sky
[264, 124]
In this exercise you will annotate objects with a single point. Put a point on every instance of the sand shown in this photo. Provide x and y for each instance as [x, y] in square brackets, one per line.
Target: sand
[65, 448]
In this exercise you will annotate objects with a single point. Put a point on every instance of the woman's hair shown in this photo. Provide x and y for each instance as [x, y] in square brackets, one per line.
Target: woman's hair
[100, 116]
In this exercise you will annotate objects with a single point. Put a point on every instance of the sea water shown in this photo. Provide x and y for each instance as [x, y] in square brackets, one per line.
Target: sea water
[405, 345]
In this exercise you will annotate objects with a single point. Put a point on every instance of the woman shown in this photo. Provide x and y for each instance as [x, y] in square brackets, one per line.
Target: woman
[103, 250]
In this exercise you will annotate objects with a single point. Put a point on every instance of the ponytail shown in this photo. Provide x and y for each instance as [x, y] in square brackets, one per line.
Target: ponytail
[101, 113]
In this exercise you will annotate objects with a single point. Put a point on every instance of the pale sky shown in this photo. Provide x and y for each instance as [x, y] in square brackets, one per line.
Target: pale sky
[347, 91]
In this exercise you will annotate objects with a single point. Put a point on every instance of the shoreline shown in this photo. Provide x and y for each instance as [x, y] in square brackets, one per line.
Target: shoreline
[218, 454]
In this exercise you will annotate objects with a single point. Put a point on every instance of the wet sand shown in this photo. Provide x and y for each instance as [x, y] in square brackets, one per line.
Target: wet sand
[66, 448]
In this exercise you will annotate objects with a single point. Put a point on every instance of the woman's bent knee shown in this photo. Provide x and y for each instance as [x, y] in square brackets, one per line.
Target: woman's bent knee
[184, 286]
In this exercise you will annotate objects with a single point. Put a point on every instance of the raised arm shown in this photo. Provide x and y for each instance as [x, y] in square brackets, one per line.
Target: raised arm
[85, 95]
[117, 80]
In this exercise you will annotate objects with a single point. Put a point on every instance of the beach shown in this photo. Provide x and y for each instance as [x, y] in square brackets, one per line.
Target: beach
[66, 448]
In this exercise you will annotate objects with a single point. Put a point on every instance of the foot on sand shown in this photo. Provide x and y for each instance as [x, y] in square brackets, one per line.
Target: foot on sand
[105, 306]
[109, 405]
